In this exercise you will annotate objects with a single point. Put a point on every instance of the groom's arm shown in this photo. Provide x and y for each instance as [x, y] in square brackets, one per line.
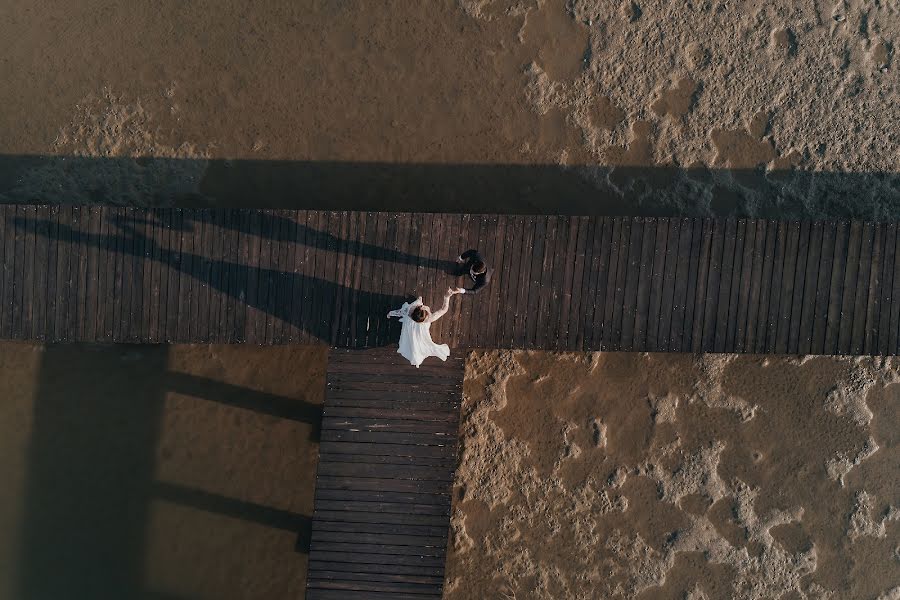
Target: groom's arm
[468, 256]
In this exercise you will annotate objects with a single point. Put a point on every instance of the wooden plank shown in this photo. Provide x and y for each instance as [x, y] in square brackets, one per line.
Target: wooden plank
[775, 288]
[667, 292]
[676, 340]
[798, 284]
[750, 260]
[851, 270]
[492, 335]
[713, 285]
[811, 273]
[311, 259]
[28, 273]
[365, 470]
[383, 326]
[389, 330]
[173, 276]
[735, 285]
[129, 275]
[203, 251]
[383, 507]
[41, 239]
[358, 261]
[156, 298]
[144, 230]
[341, 271]
[528, 319]
[77, 268]
[699, 286]
[767, 272]
[867, 287]
[608, 283]
[264, 322]
[281, 280]
[564, 275]
[542, 315]
[836, 291]
[632, 282]
[588, 298]
[861, 288]
[437, 276]
[388, 484]
[134, 232]
[384, 518]
[576, 320]
[296, 272]
[661, 271]
[291, 277]
[53, 297]
[106, 275]
[644, 283]
[234, 275]
[823, 287]
[886, 287]
[894, 319]
[757, 253]
[612, 330]
[185, 277]
[252, 311]
[112, 285]
[371, 321]
[65, 260]
[215, 316]
[374, 568]
[168, 282]
[94, 301]
[508, 285]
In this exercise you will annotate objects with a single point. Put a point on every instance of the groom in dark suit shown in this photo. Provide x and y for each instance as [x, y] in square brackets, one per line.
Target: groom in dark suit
[471, 265]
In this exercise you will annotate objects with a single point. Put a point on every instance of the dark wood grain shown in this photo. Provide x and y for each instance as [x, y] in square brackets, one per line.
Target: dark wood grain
[722, 297]
[823, 287]
[386, 465]
[560, 283]
[700, 285]
[644, 285]
[851, 272]
[811, 273]
[836, 292]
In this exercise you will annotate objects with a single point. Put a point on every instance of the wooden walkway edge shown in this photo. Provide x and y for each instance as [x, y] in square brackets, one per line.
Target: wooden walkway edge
[387, 459]
[108, 274]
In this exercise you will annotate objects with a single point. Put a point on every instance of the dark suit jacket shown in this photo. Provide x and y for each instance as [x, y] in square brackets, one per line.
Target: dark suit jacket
[469, 258]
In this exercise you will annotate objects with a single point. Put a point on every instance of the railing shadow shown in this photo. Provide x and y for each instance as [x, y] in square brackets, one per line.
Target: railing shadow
[579, 189]
[316, 319]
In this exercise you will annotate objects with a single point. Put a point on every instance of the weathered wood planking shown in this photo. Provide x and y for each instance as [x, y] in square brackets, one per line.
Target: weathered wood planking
[387, 458]
[560, 283]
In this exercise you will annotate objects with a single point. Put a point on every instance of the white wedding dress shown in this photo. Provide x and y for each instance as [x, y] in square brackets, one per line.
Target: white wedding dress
[415, 338]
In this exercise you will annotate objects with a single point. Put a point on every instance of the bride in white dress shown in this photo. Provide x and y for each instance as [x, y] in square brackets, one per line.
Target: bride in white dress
[415, 338]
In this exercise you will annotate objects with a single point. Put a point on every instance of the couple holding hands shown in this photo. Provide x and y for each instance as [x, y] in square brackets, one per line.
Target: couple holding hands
[415, 336]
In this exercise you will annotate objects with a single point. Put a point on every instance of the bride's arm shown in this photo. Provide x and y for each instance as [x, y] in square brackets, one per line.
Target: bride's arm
[440, 313]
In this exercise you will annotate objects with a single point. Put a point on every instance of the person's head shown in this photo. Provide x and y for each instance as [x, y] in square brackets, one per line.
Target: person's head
[478, 267]
[420, 313]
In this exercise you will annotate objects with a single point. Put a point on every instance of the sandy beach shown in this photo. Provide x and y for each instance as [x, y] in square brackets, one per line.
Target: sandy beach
[582, 476]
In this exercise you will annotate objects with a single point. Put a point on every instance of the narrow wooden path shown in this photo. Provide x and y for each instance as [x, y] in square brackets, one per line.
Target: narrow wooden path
[386, 463]
[108, 274]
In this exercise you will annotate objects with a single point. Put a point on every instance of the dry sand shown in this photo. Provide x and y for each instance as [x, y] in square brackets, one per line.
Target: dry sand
[661, 476]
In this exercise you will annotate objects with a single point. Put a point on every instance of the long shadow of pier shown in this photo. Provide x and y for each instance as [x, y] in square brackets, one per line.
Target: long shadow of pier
[93, 476]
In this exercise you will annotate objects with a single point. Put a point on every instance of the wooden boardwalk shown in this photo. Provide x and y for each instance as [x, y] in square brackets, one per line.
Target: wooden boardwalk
[386, 463]
[561, 283]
